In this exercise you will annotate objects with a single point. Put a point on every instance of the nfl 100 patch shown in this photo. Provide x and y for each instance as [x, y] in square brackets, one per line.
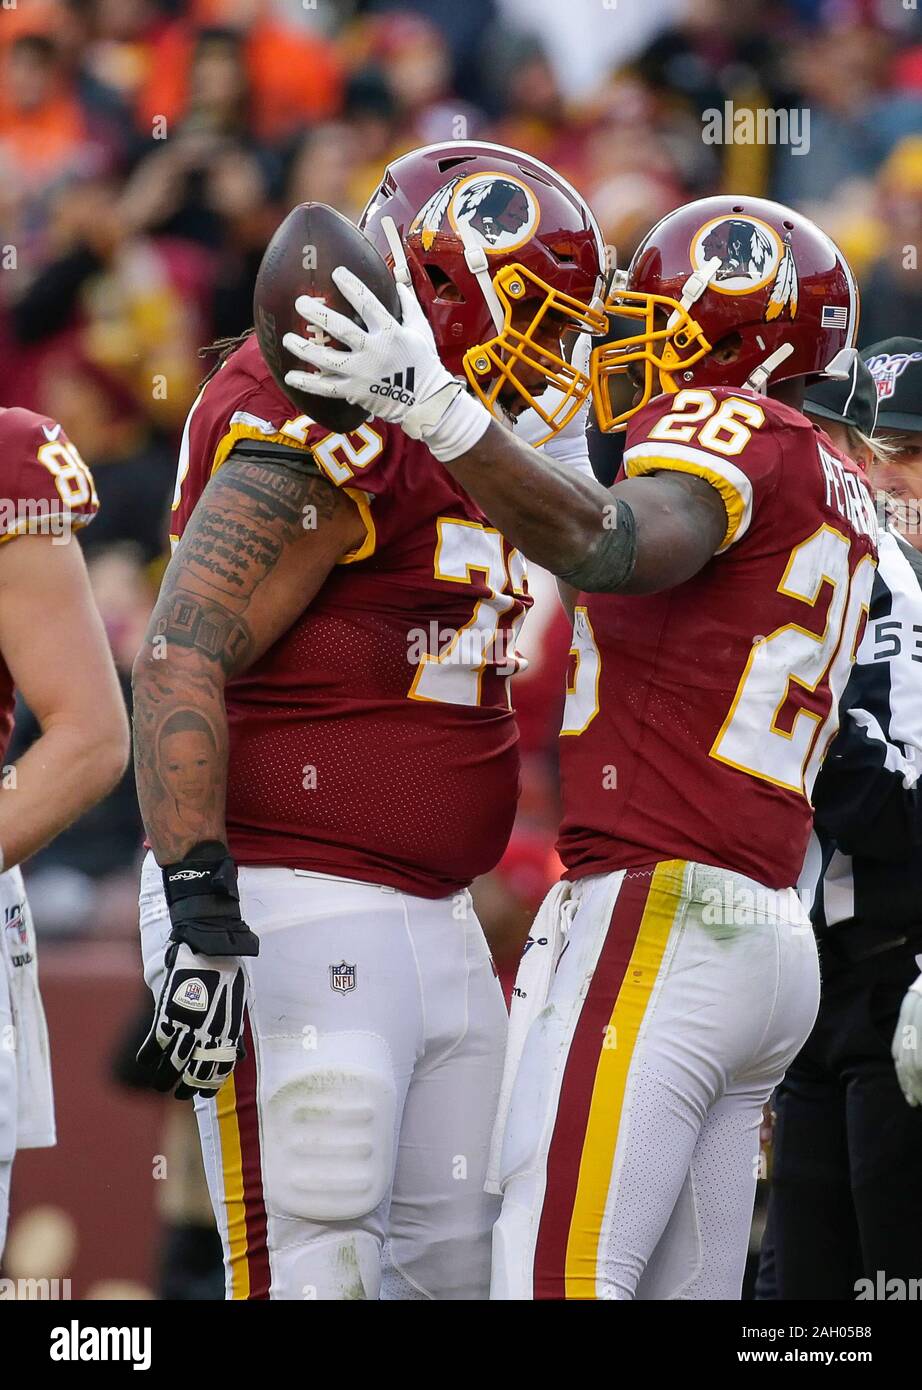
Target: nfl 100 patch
[17, 934]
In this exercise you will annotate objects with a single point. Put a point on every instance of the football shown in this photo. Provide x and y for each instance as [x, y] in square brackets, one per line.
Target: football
[307, 247]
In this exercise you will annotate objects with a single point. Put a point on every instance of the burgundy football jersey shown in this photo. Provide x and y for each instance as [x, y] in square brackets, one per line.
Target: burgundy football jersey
[375, 740]
[697, 718]
[45, 488]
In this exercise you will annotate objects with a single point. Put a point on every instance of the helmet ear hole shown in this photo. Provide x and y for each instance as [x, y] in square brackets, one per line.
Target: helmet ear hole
[727, 349]
[563, 253]
[443, 285]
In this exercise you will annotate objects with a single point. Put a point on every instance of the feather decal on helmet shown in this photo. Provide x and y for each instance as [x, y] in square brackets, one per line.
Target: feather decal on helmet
[429, 219]
[784, 290]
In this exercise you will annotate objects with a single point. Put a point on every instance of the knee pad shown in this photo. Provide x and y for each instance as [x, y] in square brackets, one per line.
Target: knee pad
[329, 1122]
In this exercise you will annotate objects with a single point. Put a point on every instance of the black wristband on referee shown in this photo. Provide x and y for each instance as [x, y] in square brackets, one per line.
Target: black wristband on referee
[201, 894]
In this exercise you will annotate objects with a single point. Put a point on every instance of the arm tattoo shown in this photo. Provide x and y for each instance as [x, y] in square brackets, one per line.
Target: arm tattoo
[253, 508]
[234, 539]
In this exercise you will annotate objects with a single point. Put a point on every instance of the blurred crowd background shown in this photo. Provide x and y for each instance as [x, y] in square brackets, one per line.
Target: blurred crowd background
[148, 148]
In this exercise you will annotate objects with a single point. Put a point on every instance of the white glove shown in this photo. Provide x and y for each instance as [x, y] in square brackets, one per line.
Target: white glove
[391, 369]
[568, 446]
[907, 1043]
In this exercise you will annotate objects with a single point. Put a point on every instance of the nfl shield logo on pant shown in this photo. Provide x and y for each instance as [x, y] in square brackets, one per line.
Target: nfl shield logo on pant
[342, 977]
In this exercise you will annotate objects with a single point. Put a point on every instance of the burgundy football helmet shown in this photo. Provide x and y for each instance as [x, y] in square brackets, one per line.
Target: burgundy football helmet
[745, 270]
[505, 258]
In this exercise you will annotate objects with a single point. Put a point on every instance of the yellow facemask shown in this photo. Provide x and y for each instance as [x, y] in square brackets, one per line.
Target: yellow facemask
[491, 365]
[663, 351]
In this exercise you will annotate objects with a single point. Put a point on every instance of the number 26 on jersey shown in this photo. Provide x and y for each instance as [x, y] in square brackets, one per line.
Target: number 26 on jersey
[785, 709]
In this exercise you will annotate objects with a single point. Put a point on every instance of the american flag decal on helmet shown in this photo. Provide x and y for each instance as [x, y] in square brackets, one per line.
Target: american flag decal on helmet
[834, 316]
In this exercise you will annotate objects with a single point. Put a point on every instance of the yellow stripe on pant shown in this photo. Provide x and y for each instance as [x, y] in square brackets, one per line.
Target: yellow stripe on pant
[232, 1173]
[617, 1047]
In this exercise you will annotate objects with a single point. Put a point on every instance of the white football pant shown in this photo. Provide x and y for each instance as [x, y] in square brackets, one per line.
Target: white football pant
[630, 1151]
[346, 1155]
[26, 1098]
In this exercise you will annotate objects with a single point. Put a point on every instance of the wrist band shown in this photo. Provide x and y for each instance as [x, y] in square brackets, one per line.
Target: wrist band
[459, 427]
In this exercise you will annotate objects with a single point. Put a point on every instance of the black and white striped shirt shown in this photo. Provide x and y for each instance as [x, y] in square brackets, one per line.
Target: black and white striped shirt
[866, 850]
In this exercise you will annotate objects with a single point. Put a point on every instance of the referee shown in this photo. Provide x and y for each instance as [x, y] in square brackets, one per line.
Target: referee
[846, 1200]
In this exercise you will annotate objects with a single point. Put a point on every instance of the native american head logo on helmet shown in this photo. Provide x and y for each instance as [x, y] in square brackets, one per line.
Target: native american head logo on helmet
[506, 260]
[743, 249]
[749, 254]
[500, 213]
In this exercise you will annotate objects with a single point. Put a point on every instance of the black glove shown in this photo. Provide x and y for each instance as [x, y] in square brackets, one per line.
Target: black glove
[195, 1039]
[201, 893]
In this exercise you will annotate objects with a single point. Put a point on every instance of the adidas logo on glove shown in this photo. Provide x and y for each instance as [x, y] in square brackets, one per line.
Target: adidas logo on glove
[398, 387]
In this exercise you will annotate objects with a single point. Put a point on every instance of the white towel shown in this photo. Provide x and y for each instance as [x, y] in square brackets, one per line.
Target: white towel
[35, 1098]
[532, 986]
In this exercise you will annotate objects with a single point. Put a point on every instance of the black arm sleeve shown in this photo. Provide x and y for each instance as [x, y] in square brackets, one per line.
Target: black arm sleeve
[284, 455]
[610, 562]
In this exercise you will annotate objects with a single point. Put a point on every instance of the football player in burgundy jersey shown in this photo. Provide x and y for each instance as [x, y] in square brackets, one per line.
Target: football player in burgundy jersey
[54, 651]
[324, 701]
[719, 589]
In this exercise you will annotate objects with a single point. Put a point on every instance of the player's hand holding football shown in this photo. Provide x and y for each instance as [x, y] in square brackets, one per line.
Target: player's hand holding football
[196, 1037]
[907, 1044]
[391, 369]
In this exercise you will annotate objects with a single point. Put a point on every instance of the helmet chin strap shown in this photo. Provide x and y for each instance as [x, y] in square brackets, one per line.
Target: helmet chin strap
[694, 288]
[401, 264]
[757, 380]
[610, 278]
[476, 260]
[842, 365]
